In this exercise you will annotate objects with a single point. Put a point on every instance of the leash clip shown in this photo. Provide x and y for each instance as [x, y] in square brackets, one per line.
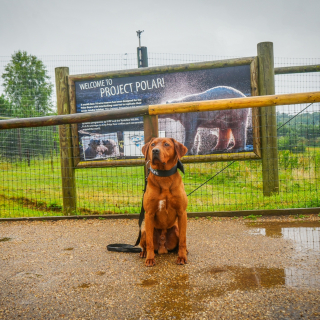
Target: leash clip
[148, 172]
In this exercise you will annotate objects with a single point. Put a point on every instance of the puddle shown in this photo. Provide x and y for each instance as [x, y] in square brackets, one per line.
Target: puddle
[84, 285]
[172, 298]
[245, 279]
[305, 237]
[148, 283]
[217, 270]
[181, 295]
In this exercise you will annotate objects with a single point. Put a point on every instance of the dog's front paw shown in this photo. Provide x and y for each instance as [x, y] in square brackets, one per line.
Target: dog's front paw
[150, 262]
[143, 254]
[182, 260]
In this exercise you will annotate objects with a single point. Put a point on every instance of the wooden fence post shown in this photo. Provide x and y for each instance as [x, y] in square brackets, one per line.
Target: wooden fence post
[269, 140]
[150, 124]
[66, 154]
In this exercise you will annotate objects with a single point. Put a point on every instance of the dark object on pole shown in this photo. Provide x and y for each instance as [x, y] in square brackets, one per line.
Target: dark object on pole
[142, 53]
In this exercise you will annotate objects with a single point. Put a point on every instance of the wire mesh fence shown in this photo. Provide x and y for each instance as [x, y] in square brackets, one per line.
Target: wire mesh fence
[30, 165]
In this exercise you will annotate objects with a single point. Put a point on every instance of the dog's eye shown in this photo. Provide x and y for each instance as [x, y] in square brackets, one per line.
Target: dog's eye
[152, 144]
[167, 144]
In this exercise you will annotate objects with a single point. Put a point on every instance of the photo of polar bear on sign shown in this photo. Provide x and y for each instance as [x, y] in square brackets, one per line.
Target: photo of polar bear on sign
[210, 131]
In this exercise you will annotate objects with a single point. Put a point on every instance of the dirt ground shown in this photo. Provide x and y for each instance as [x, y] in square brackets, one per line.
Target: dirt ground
[264, 269]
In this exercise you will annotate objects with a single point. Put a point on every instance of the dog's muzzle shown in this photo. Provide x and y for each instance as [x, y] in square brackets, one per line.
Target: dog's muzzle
[155, 154]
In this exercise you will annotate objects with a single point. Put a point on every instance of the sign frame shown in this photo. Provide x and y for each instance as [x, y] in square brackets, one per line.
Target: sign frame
[255, 154]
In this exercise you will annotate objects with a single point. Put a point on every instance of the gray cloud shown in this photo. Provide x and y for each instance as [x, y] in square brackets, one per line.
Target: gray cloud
[223, 28]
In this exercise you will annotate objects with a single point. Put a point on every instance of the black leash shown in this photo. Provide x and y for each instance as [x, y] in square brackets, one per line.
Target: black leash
[121, 247]
[142, 211]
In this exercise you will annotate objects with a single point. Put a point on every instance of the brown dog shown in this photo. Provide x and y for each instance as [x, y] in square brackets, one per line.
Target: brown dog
[165, 202]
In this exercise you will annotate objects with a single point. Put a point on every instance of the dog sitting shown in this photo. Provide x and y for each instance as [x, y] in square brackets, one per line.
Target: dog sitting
[91, 152]
[165, 202]
[110, 146]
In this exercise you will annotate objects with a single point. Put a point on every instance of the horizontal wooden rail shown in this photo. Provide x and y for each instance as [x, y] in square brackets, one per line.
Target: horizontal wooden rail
[74, 118]
[297, 69]
[235, 103]
[184, 107]
[162, 69]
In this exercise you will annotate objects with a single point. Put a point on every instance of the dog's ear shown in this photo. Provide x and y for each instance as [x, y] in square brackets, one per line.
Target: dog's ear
[180, 149]
[145, 149]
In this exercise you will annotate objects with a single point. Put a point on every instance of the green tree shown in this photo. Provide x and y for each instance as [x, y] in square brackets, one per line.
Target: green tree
[27, 86]
[28, 91]
[5, 107]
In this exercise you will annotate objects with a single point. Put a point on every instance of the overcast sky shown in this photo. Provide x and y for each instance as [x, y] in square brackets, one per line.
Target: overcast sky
[222, 28]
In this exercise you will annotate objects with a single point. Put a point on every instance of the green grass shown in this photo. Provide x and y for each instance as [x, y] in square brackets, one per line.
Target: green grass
[300, 216]
[252, 217]
[36, 190]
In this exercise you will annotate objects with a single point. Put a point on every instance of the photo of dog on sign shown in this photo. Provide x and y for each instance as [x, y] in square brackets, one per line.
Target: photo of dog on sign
[100, 146]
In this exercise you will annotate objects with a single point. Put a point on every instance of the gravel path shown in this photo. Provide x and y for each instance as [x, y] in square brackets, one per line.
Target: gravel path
[61, 269]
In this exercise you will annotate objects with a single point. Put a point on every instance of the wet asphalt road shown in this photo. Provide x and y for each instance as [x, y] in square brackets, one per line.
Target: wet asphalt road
[264, 269]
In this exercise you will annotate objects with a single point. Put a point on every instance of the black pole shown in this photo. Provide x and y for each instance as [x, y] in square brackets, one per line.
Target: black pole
[142, 53]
